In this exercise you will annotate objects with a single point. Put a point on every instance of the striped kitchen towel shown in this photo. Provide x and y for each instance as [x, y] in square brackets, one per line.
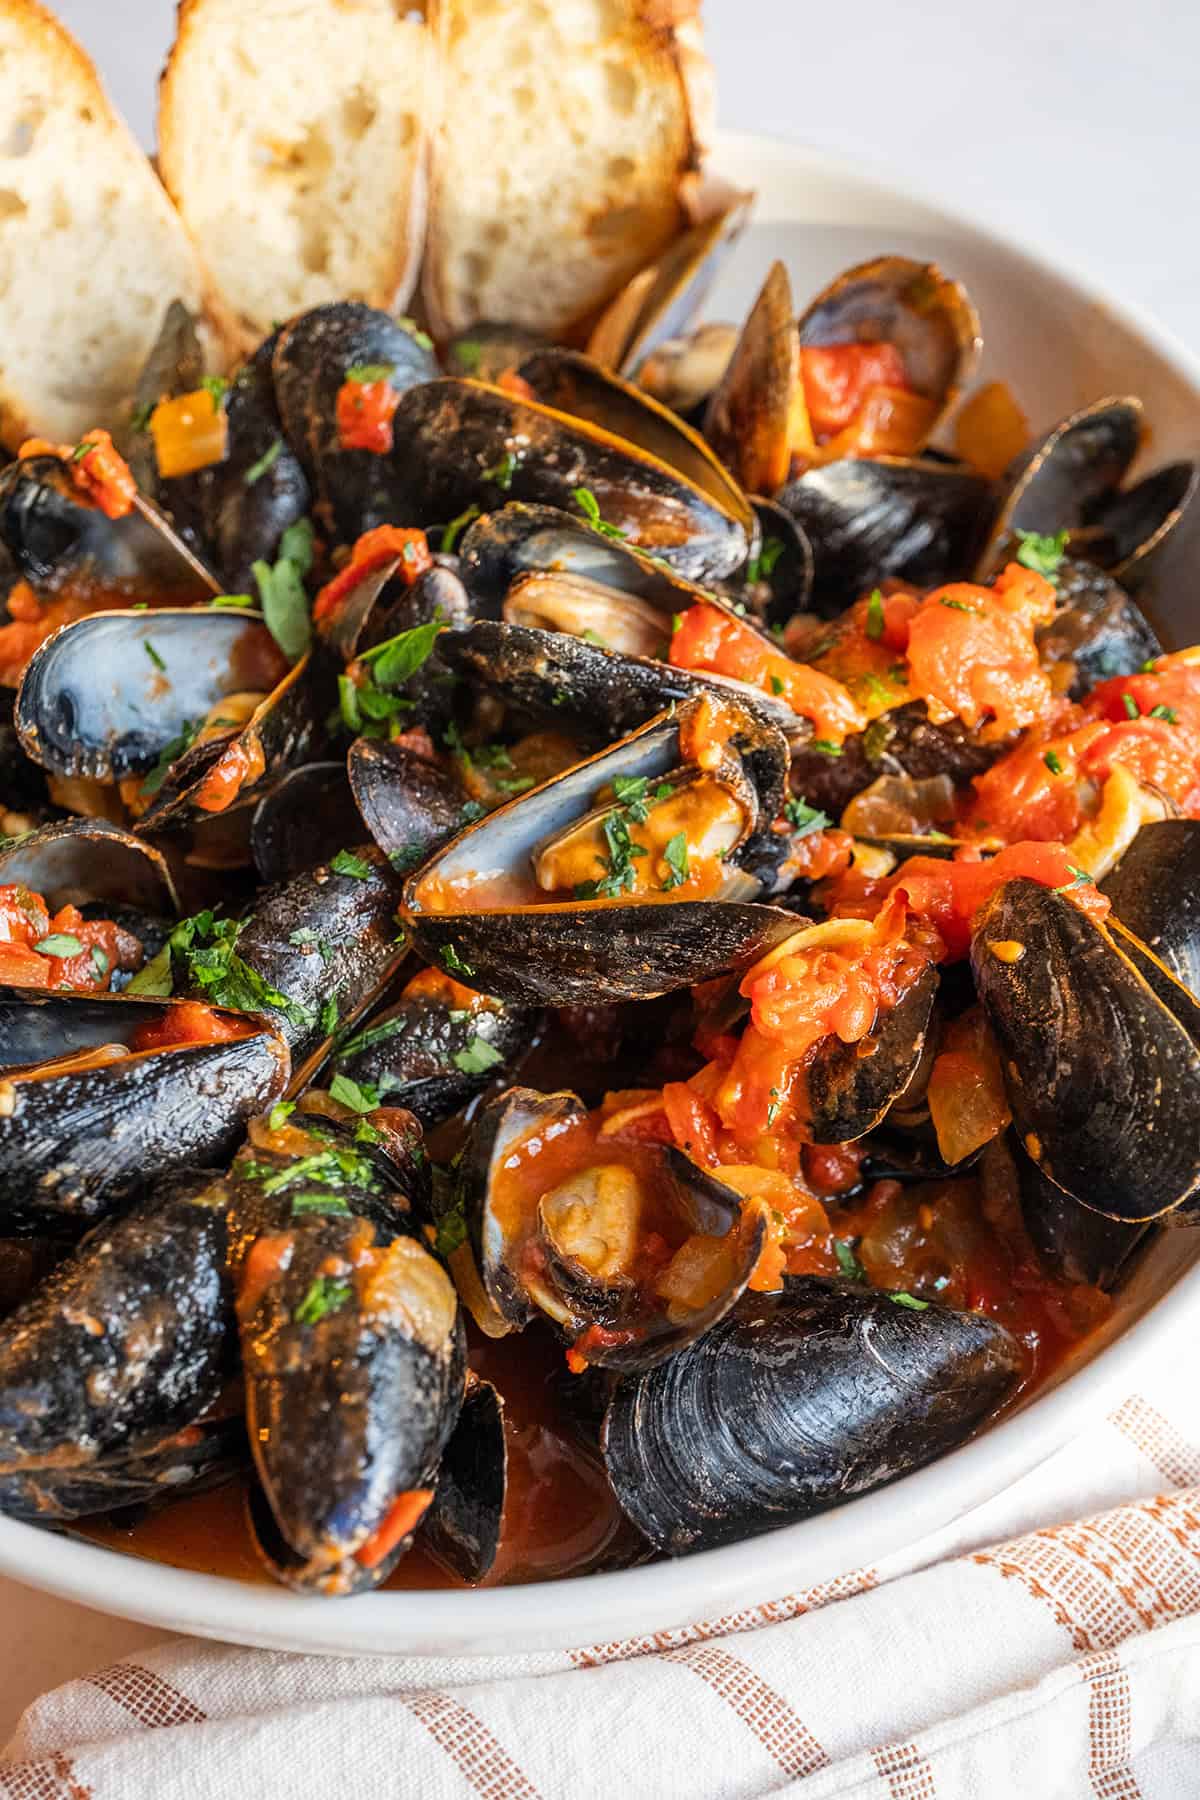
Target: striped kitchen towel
[1012, 1655]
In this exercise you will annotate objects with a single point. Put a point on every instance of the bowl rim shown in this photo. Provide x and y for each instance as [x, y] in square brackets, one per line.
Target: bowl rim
[661, 1597]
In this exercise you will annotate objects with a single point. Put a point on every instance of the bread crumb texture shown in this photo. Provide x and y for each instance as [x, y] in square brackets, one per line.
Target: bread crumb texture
[292, 139]
[564, 134]
[91, 250]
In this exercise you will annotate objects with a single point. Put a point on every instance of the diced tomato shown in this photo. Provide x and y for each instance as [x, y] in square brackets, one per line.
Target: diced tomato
[707, 638]
[365, 411]
[191, 1022]
[98, 470]
[832, 1168]
[972, 653]
[694, 1124]
[25, 923]
[374, 549]
[949, 894]
[190, 432]
[239, 766]
[838, 377]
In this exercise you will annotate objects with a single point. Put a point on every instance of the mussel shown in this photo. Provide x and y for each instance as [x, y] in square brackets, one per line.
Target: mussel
[1102, 1077]
[463, 1525]
[566, 1235]
[613, 916]
[750, 419]
[411, 806]
[1155, 893]
[195, 1458]
[789, 1406]
[1098, 629]
[304, 819]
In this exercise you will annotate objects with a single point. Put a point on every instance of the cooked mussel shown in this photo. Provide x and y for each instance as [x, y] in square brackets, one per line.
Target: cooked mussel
[461, 444]
[88, 1116]
[463, 1525]
[569, 1239]
[850, 1087]
[434, 1048]
[78, 861]
[304, 819]
[487, 350]
[1103, 1079]
[1074, 1243]
[127, 1342]
[612, 916]
[1098, 629]
[259, 491]
[902, 743]
[751, 416]
[790, 1406]
[315, 356]
[353, 1360]
[411, 806]
[187, 1462]
[1155, 893]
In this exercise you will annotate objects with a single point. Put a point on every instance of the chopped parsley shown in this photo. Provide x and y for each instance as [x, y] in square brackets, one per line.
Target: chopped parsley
[398, 658]
[337, 1167]
[323, 1297]
[762, 566]
[317, 1201]
[1053, 762]
[824, 747]
[1042, 554]
[100, 961]
[451, 1231]
[375, 1034]
[201, 954]
[899, 1298]
[775, 1106]
[803, 818]
[875, 615]
[166, 756]
[409, 856]
[503, 471]
[279, 1114]
[1164, 712]
[267, 460]
[589, 506]
[472, 812]
[406, 323]
[453, 962]
[776, 685]
[1132, 709]
[359, 1097]
[152, 653]
[59, 943]
[675, 855]
[282, 593]
[329, 1016]
[962, 606]
[305, 937]
[468, 353]
[633, 807]
[346, 863]
[1080, 878]
[454, 530]
[875, 740]
[226, 602]
[365, 373]
[216, 387]
[848, 1261]
[477, 1056]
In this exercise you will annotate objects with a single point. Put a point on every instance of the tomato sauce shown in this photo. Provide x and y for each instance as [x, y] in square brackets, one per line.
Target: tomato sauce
[63, 951]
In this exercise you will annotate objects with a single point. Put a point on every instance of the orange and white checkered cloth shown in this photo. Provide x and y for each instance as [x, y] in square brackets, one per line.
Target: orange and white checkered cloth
[1011, 1656]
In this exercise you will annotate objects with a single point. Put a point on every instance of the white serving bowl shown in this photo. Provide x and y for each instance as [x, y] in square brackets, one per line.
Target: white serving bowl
[1060, 344]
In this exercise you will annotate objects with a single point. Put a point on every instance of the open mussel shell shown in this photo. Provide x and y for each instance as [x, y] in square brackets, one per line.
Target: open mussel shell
[850, 1090]
[78, 861]
[592, 951]
[312, 359]
[462, 444]
[59, 543]
[918, 518]
[463, 1525]
[190, 1461]
[748, 420]
[1134, 525]
[896, 300]
[232, 768]
[1098, 629]
[328, 943]
[349, 1402]
[305, 818]
[790, 1406]
[778, 579]
[429, 1054]
[1073, 1243]
[80, 1133]
[127, 1342]
[410, 805]
[1054, 486]
[1155, 893]
[664, 298]
[574, 384]
[104, 696]
[245, 519]
[1102, 1078]
[572, 1256]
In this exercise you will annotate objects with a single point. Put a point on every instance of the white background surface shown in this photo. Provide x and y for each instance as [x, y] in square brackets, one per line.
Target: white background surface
[1074, 123]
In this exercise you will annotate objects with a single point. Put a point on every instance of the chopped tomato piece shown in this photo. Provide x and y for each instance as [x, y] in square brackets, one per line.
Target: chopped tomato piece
[707, 638]
[239, 766]
[190, 432]
[98, 470]
[191, 1022]
[365, 411]
[949, 894]
[838, 377]
[66, 951]
[832, 1168]
[387, 543]
[972, 653]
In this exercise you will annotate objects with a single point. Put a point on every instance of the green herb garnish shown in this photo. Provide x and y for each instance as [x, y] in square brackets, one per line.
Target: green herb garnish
[762, 566]
[1164, 712]
[368, 372]
[1053, 763]
[267, 460]
[359, 1097]
[323, 1297]
[452, 961]
[166, 756]
[454, 530]
[346, 863]
[1132, 709]
[803, 818]
[477, 1057]
[675, 855]
[152, 653]
[589, 506]
[59, 943]
[279, 1114]
[1042, 554]
[503, 471]
[875, 615]
[824, 747]
[899, 1298]
[848, 1261]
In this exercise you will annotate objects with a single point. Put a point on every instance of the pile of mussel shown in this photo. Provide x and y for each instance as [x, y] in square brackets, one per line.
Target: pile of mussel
[362, 835]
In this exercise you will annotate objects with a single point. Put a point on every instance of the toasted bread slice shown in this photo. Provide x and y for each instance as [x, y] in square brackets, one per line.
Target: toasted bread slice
[566, 129]
[292, 137]
[91, 250]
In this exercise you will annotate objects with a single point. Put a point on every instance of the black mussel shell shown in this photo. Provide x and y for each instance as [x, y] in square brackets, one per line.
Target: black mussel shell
[461, 443]
[785, 1409]
[486, 350]
[901, 742]
[574, 384]
[244, 519]
[1097, 628]
[917, 518]
[1103, 1080]
[849, 1091]
[174, 366]
[1073, 1242]
[597, 951]
[304, 819]
[1155, 892]
[328, 940]
[105, 696]
[75, 1143]
[778, 579]
[1056, 485]
[82, 860]
[411, 806]
[196, 1458]
[24, 1263]
[1133, 525]
[353, 1386]
[749, 415]
[127, 1342]
[462, 1527]
[520, 540]
[356, 489]
[429, 1055]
